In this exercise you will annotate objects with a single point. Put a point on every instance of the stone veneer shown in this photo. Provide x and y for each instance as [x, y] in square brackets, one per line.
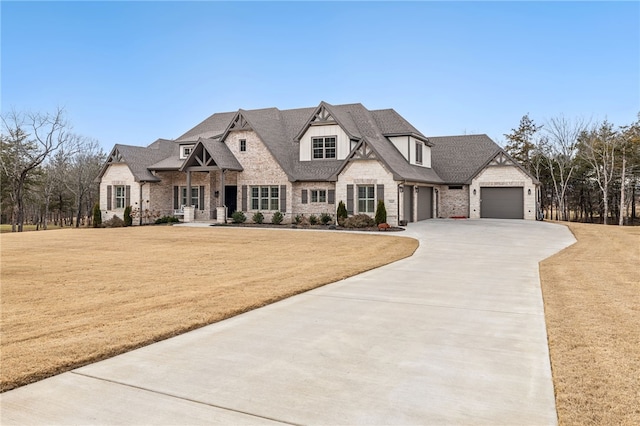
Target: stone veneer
[312, 208]
[260, 168]
[453, 202]
[503, 176]
[369, 172]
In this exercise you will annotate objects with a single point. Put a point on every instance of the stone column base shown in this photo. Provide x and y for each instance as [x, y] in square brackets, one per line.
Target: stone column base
[189, 214]
[221, 214]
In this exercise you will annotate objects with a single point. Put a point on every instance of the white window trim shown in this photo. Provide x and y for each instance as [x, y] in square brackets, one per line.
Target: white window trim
[324, 147]
[183, 151]
[117, 197]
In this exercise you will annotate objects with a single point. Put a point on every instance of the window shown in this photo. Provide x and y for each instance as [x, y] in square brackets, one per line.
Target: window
[265, 198]
[185, 150]
[120, 196]
[195, 196]
[243, 145]
[318, 196]
[366, 199]
[323, 147]
[418, 152]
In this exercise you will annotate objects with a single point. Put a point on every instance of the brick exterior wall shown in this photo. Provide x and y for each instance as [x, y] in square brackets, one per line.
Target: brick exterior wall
[260, 168]
[117, 174]
[453, 202]
[312, 208]
[369, 172]
[503, 176]
[161, 193]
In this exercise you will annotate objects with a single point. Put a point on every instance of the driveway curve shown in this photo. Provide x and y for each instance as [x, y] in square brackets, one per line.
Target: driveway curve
[454, 334]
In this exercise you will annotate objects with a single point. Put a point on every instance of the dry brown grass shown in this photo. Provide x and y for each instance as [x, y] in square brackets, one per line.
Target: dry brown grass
[72, 297]
[592, 307]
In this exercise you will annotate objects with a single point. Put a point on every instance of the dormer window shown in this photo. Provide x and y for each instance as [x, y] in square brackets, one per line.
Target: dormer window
[323, 147]
[418, 152]
[185, 150]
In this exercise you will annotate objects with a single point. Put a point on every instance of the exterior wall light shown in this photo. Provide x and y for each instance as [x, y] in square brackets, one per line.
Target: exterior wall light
[474, 191]
[401, 188]
[529, 191]
[416, 187]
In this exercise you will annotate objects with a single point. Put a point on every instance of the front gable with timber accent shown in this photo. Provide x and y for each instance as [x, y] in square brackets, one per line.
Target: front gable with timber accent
[322, 125]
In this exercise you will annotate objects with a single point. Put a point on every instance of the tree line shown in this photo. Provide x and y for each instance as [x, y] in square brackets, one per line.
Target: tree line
[47, 172]
[588, 171]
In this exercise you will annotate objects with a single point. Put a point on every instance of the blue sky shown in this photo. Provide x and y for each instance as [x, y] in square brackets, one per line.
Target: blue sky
[132, 72]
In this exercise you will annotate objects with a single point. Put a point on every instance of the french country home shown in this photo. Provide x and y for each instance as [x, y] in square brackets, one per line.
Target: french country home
[305, 161]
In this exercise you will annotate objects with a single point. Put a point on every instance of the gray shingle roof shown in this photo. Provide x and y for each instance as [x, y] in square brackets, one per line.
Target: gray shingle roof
[457, 159]
[139, 159]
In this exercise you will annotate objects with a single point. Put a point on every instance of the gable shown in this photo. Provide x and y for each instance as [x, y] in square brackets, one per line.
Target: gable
[323, 116]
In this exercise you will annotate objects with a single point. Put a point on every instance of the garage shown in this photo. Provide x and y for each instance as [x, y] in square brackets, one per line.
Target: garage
[425, 202]
[502, 202]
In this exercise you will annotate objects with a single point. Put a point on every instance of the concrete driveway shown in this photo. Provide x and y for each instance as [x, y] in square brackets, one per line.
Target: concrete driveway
[453, 335]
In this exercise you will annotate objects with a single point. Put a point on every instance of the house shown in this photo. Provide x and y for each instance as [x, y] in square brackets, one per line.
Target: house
[305, 161]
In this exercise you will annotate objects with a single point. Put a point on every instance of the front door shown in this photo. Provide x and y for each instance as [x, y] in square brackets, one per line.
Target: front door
[231, 199]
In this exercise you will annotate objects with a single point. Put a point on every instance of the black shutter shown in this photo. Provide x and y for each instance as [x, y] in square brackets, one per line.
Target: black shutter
[331, 196]
[201, 200]
[127, 195]
[380, 192]
[244, 198]
[283, 198]
[304, 196]
[349, 199]
[109, 189]
[176, 194]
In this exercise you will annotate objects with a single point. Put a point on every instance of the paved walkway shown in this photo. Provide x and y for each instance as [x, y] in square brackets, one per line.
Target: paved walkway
[453, 335]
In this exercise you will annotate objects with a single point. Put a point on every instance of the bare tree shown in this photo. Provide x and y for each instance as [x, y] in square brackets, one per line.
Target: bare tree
[82, 169]
[27, 140]
[598, 148]
[562, 137]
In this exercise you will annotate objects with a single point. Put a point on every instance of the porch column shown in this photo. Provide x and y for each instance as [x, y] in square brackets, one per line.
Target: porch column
[221, 211]
[188, 201]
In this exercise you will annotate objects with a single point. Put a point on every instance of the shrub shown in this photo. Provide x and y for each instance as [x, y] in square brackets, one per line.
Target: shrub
[297, 219]
[128, 220]
[238, 217]
[325, 218]
[258, 217]
[167, 219]
[114, 222]
[277, 218]
[313, 219]
[97, 215]
[359, 221]
[381, 213]
[342, 211]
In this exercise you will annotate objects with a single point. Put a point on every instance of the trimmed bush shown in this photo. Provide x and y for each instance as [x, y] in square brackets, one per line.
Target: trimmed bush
[97, 216]
[128, 220]
[167, 219]
[114, 222]
[258, 217]
[313, 219]
[238, 217]
[277, 218]
[325, 218]
[341, 213]
[359, 221]
[297, 219]
[381, 213]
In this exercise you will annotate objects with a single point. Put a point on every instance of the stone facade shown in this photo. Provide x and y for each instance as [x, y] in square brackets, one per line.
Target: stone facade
[503, 176]
[260, 168]
[309, 207]
[117, 174]
[369, 172]
[453, 202]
